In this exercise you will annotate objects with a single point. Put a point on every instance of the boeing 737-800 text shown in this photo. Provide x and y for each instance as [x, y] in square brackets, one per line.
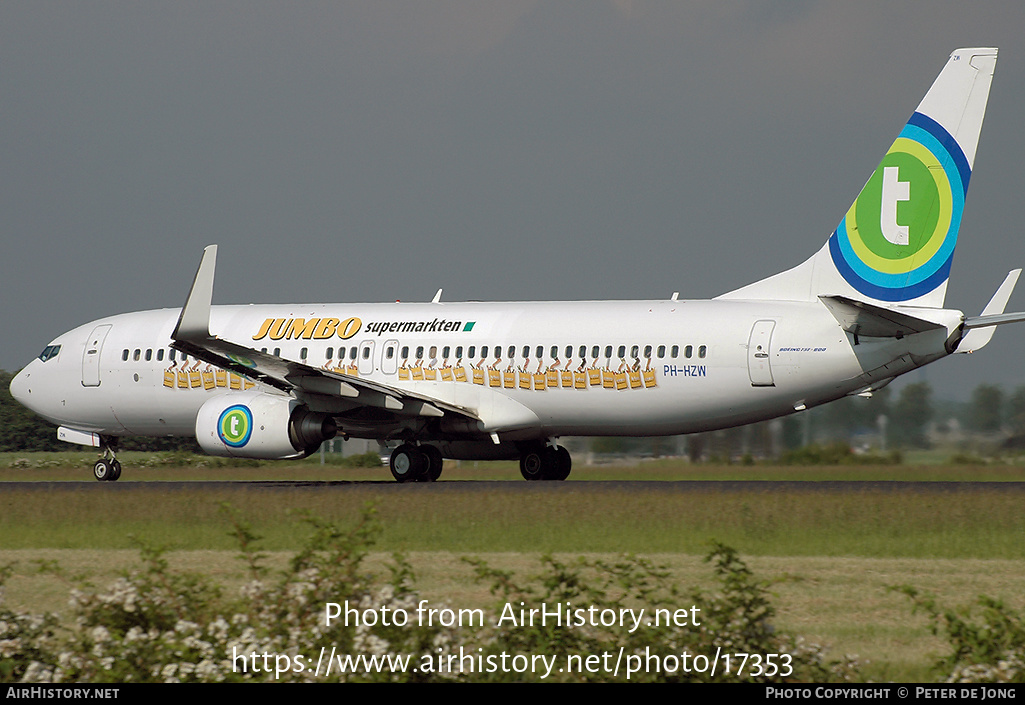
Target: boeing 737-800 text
[506, 380]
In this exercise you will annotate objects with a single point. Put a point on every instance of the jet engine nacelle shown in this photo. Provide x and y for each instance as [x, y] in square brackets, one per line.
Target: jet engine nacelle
[261, 425]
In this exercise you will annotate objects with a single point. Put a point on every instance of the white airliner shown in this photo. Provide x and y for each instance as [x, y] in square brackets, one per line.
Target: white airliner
[506, 380]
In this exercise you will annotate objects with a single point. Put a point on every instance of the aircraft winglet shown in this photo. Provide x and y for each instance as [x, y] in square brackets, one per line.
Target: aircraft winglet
[194, 322]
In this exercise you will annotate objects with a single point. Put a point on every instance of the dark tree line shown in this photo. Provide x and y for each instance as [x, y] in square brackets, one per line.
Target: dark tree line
[20, 429]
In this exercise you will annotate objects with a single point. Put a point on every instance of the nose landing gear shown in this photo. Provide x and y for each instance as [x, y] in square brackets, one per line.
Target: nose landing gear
[107, 468]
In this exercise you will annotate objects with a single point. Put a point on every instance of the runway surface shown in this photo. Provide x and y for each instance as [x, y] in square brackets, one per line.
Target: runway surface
[519, 486]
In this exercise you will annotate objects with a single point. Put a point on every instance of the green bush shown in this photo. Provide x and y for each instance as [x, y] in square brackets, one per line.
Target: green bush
[735, 622]
[988, 647]
[158, 624]
[28, 645]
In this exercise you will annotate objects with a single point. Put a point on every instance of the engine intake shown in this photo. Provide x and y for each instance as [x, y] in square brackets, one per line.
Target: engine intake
[261, 425]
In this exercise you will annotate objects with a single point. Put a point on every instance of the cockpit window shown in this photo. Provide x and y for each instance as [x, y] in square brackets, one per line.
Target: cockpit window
[49, 351]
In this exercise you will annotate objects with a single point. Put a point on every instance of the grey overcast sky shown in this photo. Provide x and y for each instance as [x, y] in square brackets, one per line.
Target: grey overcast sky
[523, 149]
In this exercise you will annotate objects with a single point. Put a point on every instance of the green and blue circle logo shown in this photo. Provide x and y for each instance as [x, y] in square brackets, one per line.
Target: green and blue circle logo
[235, 426]
[896, 242]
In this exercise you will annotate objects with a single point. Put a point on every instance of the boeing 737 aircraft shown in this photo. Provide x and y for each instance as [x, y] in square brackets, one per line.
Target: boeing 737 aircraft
[506, 380]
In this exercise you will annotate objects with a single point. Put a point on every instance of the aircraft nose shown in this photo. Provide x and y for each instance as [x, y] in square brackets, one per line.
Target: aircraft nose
[21, 388]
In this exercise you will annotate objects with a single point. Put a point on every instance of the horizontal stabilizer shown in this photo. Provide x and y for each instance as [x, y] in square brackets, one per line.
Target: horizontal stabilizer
[981, 328]
[860, 318]
[997, 320]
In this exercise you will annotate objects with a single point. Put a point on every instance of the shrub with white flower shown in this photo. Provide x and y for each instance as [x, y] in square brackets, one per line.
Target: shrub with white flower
[156, 624]
[986, 647]
[27, 642]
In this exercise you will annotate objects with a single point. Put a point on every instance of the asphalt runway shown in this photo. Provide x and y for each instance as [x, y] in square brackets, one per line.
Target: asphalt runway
[521, 486]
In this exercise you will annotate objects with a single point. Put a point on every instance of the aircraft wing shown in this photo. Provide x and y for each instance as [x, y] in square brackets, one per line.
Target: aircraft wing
[192, 336]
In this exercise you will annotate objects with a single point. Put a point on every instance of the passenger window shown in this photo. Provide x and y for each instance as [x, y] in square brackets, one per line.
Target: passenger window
[277, 353]
[389, 352]
[512, 352]
[420, 352]
[434, 351]
[674, 352]
[647, 351]
[555, 352]
[594, 352]
[446, 351]
[405, 352]
[303, 353]
[459, 352]
[124, 354]
[329, 354]
[472, 352]
[170, 355]
[540, 352]
[484, 351]
[366, 353]
[661, 351]
[702, 350]
[352, 353]
[160, 355]
[608, 351]
[688, 351]
[136, 355]
[149, 354]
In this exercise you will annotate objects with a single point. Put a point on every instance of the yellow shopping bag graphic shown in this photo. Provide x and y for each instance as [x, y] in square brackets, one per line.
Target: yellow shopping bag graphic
[635, 379]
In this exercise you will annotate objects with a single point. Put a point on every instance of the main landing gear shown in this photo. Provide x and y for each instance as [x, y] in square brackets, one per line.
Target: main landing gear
[544, 462]
[107, 468]
[422, 463]
[412, 463]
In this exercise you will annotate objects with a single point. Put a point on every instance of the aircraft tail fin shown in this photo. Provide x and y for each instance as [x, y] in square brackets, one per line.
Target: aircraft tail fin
[896, 242]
